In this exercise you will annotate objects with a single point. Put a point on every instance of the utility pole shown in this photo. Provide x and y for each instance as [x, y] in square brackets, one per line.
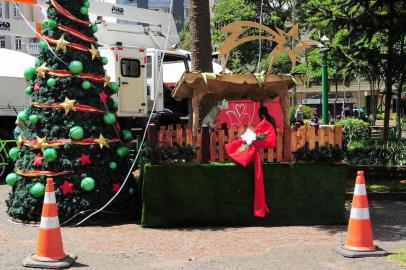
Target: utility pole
[294, 94]
[324, 79]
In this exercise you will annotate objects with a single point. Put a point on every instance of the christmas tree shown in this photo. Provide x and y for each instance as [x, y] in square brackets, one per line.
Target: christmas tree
[70, 131]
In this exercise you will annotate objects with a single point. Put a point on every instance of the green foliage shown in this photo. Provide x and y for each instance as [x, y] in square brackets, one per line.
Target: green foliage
[174, 154]
[377, 153]
[307, 113]
[353, 129]
[320, 155]
[185, 38]
[399, 257]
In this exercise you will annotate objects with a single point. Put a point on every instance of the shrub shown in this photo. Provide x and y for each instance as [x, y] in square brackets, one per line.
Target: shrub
[353, 130]
[319, 155]
[377, 153]
[173, 154]
[307, 113]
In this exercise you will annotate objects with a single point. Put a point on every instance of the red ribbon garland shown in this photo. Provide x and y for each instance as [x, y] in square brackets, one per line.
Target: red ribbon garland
[243, 157]
[35, 173]
[76, 107]
[66, 73]
[86, 141]
[76, 33]
[61, 10]
[70, 44]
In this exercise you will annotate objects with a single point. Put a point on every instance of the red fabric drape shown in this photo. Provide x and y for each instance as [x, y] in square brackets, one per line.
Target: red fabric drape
[233, 149]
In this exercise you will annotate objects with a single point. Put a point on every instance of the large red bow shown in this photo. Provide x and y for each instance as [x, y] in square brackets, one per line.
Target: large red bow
[243, 154]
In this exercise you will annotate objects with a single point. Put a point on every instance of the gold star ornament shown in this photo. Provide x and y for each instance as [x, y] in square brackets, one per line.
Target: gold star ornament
[41, 71]
[20, 141]
[94, 52]
[106, 80]
[41, 143]
[61, 44]
[102, 142]
[68, 105]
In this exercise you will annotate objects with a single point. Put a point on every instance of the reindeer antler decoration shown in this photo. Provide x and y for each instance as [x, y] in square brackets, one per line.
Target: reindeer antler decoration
[280, 37]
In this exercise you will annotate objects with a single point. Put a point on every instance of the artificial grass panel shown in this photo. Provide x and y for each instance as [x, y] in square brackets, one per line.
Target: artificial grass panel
[222, 194]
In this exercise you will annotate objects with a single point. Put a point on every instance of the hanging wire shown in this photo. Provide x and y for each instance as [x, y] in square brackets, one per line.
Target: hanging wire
[39, 35]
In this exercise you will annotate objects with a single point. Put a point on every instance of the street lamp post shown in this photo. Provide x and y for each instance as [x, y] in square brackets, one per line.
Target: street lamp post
[324, 79]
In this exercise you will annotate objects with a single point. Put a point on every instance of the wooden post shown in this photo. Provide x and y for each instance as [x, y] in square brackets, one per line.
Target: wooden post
[153, 143]
[286, 144]
[205, 144]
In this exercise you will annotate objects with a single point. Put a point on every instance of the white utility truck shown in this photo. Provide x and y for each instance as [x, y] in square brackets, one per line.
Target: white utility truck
[134, 52]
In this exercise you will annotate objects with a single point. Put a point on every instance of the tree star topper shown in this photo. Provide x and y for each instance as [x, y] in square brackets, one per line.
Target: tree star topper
[281, 38]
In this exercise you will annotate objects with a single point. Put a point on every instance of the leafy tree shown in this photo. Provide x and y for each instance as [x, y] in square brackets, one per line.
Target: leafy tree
[372, 33]
[185, 38]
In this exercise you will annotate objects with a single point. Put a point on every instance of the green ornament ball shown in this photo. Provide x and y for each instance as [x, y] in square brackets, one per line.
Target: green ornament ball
[52, 24]
[109, 118]
[122, 151]
[131, 191]
[86, 4]
[51, 82]
[76, 67]
[34, 119]
[104, 60]
[37, 190]
[50, 154]
[87, 184]
[14, 153]
[127, 135]
[76, 133]
[84, 10]
[29, 73]
[44, 24]
[42, 45]
[86, 85]
[22, 116]
[113, 165]
[11, 179]
[94, 28]
[114, 87]
[29, 90]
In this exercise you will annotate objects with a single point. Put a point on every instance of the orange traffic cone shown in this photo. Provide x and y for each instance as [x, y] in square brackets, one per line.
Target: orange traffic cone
[49, 252]
[359, 241]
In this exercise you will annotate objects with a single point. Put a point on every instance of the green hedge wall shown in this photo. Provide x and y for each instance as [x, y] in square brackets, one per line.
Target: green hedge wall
[222, 194]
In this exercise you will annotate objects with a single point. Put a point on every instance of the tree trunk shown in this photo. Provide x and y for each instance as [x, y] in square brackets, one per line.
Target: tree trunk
[389, 80]
[201, 36]
[398, 113]
[201, 42]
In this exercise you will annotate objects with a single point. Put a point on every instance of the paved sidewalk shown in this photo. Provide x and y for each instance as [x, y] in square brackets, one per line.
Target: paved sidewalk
[131, 247]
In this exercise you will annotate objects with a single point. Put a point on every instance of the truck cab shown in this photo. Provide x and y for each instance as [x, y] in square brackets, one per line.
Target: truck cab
[142, 81]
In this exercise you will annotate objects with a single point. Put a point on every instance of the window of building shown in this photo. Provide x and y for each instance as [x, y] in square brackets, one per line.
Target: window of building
[1, 10]
[18, 43]
[15, 10]
[2, 42]
[186, 13]
[130, 67]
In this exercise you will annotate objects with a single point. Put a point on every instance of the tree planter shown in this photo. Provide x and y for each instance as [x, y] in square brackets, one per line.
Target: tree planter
[222, 194]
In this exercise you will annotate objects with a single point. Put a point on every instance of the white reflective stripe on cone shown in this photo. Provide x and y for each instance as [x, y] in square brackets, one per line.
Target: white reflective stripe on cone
[49, 197]
[360, 189]
[359, 213]
[49, 222]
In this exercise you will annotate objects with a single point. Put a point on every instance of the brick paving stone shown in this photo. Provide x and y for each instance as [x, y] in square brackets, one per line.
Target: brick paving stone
[129, 246]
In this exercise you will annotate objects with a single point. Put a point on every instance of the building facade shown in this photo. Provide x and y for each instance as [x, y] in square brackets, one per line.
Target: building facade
[12, 11]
